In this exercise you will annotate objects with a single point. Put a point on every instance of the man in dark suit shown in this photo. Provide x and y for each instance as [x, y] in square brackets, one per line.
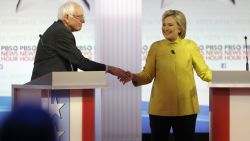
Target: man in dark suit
[57, 49]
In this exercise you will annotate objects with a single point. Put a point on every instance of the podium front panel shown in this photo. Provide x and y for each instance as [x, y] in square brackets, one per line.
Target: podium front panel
[230, 114]
[73, 110]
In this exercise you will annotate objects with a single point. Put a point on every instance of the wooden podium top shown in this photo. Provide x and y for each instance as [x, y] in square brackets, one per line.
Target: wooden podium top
[68, 80]
[236, 79]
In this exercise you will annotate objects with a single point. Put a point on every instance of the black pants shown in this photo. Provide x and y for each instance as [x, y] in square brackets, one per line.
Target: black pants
[183, 127]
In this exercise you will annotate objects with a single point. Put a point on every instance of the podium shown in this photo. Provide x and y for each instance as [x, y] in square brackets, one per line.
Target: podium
[230, 106]
[69, 97]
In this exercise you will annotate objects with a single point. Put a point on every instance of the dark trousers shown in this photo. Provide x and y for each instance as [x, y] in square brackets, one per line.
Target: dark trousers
[183, 127]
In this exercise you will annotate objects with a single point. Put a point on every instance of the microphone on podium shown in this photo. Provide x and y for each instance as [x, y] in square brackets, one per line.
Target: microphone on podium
[247, 65]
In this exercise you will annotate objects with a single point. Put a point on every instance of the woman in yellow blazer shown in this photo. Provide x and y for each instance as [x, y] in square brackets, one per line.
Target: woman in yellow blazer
[170, 63]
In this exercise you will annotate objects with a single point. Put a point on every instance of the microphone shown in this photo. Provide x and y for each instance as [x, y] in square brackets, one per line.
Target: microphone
[173, 52]
[41, 39]
[247, 66]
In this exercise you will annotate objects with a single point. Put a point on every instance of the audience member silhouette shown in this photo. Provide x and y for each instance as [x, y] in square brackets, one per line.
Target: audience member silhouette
[28, 124]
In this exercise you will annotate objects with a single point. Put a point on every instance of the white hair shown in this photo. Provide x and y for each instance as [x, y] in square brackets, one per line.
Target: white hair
[67, 8]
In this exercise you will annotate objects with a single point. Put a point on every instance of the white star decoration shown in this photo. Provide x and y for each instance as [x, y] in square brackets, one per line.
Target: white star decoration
[228, 1]
[59, 134]
[164, 3]
[55, 107]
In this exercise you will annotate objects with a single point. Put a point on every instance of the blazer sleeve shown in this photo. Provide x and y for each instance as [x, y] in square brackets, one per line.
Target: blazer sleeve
[66, 48]
[201, 68]
[148, 73]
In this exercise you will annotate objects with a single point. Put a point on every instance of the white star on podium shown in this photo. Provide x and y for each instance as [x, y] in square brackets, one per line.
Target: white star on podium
[55, 107]
[59, 134]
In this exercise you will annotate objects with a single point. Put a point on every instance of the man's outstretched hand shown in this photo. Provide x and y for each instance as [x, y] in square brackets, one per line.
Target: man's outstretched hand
[122, 75]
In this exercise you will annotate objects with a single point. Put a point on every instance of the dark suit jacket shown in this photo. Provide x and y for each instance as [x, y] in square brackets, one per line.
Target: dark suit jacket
[57, 51]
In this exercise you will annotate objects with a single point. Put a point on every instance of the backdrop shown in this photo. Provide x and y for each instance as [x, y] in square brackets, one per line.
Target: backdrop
[217, 26]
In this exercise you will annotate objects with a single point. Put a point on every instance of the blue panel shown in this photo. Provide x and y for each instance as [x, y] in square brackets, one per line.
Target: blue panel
[5, 107]
[202, 124]
[63, 122]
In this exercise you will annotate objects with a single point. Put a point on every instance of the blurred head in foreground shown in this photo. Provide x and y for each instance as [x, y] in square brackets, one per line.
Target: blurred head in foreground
[28, 123]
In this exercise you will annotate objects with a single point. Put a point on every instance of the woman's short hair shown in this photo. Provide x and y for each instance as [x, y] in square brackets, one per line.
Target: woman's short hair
[66, 9]
[180, 19]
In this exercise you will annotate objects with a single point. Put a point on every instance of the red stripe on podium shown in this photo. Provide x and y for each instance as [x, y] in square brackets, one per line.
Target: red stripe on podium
[220, 115]
[88, 111]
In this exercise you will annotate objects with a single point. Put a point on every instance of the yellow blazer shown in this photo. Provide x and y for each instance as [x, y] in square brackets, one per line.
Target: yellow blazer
[171, 66]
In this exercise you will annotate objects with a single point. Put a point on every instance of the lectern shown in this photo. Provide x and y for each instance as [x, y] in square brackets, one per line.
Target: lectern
[69, 97]
[230, 106]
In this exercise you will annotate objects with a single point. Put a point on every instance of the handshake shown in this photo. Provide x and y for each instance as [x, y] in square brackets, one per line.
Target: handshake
[122, 75]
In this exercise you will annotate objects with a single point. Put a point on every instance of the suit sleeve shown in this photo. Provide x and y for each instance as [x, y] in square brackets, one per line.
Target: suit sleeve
[67, 49]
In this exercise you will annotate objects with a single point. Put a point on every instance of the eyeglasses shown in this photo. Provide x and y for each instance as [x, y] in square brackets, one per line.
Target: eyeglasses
[78, 17]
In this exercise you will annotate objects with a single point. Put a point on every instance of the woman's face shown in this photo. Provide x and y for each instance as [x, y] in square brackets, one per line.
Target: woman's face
[170, 29]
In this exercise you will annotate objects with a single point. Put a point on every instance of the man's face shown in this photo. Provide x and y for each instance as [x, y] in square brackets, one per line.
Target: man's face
[74, 22]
